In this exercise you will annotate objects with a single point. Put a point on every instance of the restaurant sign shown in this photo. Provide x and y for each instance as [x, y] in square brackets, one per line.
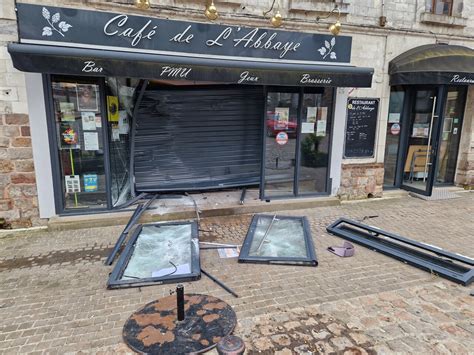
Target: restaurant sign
[79, 28]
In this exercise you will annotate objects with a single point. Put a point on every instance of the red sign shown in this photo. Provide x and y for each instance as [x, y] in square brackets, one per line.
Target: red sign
[395, 129]
[281, 138]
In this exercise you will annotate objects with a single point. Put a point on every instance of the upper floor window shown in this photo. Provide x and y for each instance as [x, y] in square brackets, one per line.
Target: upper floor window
[442, 7]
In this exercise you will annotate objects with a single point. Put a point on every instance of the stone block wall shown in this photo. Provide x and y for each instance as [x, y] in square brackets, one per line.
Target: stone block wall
[18, 196]
[361, 181]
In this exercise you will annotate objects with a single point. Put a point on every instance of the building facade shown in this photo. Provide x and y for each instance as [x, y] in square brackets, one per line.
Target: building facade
[79, 138]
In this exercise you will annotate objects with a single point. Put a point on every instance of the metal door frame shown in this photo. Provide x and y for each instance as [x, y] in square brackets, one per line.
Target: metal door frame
[441, 94]
[301, 91]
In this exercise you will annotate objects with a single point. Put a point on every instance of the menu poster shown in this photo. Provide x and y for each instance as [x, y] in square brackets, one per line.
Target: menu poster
[113, 108]
[67, 111]
[91, 141]
[361, 127]
[90, 182]
[123, 122]
[311, 115]
[323, 113]
[73, 183]
[88, 121]
[307, 127]
[87, 97]
[68, 135]
[282, 117]
[321, 128]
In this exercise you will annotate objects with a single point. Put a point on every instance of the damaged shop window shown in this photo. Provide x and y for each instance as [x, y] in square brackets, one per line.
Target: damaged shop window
[159, 253]
[279, 240]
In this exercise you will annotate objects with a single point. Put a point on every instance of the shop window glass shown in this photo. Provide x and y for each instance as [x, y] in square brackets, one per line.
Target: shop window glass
[393, 134]
[315, 138]
[120, 105]
[80, 138]
[442, 7]
[450, 135]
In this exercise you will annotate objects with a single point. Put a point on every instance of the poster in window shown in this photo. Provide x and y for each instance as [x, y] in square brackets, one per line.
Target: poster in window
[123, 122]
[72, 183]
[312, 113]
[113, 108]
[90, 182]
[420, 130]
[282, 117]
[91, 141]
[321, 124]
[88, 121]
[67, 111]
[69, 137]
[87, 97]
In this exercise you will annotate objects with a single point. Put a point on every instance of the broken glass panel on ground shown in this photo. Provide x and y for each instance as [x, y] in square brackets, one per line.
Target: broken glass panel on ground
[279, 239]
[159, 253]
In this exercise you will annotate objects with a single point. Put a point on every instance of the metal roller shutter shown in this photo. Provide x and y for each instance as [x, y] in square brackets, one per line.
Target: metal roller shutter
[198, 138]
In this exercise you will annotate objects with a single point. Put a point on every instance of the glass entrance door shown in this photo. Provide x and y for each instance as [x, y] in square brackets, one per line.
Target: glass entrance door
[297, 140]
[281, 126]
[450, 135]
[421, 144]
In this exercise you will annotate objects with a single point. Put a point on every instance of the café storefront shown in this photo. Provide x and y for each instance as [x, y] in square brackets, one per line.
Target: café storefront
[429, 87]
[135, 104]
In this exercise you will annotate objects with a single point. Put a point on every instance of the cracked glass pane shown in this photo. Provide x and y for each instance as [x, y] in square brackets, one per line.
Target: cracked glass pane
[279, 238]
[161, 251]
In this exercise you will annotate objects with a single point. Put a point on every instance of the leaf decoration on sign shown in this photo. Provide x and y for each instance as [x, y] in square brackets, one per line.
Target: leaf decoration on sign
[46, 13]
[327, 49]
[63, 26]
[47, 31]
[55, 17]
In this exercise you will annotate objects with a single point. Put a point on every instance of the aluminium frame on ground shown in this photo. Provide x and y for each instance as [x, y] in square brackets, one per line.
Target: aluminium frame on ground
[195, 274]
[438, 261]
[309, 260]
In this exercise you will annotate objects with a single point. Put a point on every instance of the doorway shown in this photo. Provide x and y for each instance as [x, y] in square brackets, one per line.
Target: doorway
[430, 140]
[297, 139]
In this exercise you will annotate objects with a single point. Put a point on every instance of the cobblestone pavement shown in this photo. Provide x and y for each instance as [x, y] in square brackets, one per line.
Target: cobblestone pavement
[53, 297]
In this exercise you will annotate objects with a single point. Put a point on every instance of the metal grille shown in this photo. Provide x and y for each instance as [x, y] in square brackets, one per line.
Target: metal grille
[198, 138]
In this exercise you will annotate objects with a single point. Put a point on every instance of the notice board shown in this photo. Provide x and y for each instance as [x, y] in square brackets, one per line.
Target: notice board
[361, 127]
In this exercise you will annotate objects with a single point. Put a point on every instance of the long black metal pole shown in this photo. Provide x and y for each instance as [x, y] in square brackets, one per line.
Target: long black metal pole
[180, 302]
[219, 283]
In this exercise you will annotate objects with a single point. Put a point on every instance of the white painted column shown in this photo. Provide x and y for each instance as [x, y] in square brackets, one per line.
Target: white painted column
[339, 125]
[40, 144]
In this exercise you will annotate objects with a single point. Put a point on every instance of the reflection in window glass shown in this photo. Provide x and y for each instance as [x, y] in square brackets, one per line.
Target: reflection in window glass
[120, 102]
[79, 131]
[441, 7]
[450, 135]
[315, 138]
[393, 134]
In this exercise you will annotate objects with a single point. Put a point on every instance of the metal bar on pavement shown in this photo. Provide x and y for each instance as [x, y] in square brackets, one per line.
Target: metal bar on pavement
[221, 284]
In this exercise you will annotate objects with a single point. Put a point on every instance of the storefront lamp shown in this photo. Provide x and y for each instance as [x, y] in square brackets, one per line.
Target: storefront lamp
[211, 11]
[277, 18]
[142, 4]
[335, 28]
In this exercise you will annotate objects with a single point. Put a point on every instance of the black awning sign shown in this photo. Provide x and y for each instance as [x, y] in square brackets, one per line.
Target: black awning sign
[361, 127]
[106, 30]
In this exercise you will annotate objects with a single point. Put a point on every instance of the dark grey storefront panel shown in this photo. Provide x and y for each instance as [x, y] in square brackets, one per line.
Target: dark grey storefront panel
[198, 139]
[106, 30]
[94, 62]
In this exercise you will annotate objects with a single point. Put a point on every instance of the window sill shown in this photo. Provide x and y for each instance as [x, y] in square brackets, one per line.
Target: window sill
[443, 20]
[323, 7]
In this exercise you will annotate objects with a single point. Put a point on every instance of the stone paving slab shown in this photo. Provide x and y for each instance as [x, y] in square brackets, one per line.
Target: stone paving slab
[53, 297]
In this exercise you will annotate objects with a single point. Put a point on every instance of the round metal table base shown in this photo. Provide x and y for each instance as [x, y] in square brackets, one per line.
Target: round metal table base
[155, 329]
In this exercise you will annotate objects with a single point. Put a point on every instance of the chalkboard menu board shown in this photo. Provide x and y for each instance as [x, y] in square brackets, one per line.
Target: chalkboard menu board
[361, 127]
